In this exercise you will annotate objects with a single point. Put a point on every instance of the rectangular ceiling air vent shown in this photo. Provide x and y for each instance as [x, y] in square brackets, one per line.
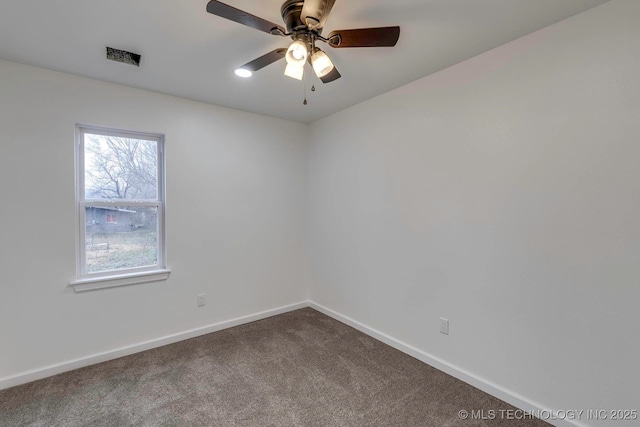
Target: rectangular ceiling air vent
[123, 56]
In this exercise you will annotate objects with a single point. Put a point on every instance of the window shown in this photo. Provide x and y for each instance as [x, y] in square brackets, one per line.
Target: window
[120, 202]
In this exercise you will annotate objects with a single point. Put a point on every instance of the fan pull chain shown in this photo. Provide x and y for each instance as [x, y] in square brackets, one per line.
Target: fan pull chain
[304, 84]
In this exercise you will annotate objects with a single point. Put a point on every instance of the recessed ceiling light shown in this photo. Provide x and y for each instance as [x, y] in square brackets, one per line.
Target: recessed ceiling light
[242, 72]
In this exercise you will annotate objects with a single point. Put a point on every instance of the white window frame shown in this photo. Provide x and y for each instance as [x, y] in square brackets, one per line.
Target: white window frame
[86, 281]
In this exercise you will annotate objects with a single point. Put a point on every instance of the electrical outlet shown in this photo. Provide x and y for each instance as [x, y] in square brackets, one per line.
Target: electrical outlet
[201, 300]
[444, 326]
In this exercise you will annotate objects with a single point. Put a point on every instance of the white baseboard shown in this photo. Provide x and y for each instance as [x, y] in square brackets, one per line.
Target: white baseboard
[58, 368]
[488, 387]
[495, 390]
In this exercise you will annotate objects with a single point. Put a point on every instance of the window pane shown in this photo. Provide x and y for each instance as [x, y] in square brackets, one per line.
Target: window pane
[120, 237]
[120, 168]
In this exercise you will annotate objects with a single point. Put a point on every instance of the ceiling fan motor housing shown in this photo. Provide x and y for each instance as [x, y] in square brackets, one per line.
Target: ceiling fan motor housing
[291, 11]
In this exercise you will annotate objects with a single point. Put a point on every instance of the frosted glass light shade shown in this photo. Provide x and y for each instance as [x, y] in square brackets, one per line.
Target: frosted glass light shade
[321, 63]
[297, 53]
[294, 71]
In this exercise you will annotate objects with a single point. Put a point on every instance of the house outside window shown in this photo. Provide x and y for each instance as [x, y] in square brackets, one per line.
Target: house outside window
[120, 205]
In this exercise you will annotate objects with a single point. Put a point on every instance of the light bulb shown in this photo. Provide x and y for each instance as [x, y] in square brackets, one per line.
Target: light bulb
[297, 53]
[321, 63]
[294, 71]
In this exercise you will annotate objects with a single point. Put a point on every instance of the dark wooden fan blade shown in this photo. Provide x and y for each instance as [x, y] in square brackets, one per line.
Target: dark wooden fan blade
[333, 75]
[365, 37]
[265, 60]
[242, 17]
[315, 12]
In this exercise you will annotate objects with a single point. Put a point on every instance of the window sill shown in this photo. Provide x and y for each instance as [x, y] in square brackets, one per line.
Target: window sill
[103, 282]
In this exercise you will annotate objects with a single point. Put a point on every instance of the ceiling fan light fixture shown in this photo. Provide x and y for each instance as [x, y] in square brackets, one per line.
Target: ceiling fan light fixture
[297, 53]
[243, 72]
[304, 21]
[321, 63]
[294, 71]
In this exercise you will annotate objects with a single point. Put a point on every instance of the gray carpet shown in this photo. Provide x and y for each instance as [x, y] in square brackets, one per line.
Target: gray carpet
[297, 369]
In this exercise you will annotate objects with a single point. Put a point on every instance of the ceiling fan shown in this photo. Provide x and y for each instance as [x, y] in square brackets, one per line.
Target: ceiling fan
[304, 21]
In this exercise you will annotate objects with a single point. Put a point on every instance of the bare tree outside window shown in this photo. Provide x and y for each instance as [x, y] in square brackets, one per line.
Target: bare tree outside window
[121, 197]
[120, 168]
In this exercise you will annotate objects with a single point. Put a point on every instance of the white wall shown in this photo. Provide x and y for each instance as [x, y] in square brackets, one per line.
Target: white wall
[236, 218]
[503, 194]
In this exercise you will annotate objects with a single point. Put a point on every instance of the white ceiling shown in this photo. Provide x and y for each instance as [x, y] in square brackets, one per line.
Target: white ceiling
[190, 53]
